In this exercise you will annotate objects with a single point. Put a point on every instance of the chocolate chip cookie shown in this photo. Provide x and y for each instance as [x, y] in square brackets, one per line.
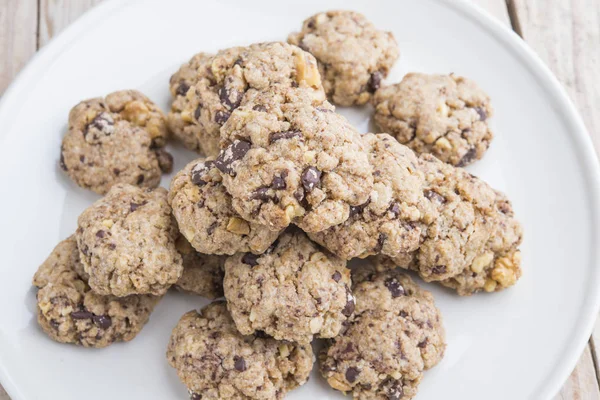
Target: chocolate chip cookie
[70, 312]
[118, 139]
[216, 362]
[202, 273]
[396, 334]
[292, 292]
[395, 216]
[206, 217]
[354, 57]
[444, 115]
[127, 242]
[290, 159]
[223, 81]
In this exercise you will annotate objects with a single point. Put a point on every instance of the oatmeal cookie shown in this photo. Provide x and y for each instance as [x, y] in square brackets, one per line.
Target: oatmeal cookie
[353, 56]
[444, 115]
[202, 273]
[288, 159]
[70, 312]
[118, 139]
[206, 217]
[215, 361]
[292, 292]
[127, 242]
[224, 80]
[396, 334]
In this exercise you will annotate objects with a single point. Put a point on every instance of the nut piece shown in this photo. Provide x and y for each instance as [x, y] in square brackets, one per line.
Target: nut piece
[307, 70]
[506, 269]
[482, 261]
[238, 226]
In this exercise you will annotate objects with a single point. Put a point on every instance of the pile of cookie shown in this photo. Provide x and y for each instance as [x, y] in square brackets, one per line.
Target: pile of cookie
[286, 193]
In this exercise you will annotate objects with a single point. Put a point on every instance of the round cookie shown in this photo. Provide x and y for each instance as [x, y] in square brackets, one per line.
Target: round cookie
[215, 361]
[70, 312]
[394, 218]
[119, 139]
[395, 335]
[292, 292]
[353, 56]
[444, 115]
[224, 80]
[202, 273]
[127, 242]
[288, 159]
[181, 122]
[205, 215]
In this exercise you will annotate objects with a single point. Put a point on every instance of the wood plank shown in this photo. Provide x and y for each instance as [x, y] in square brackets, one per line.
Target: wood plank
[55, 15]
[18, 32]
[582, 384]
[497, 8]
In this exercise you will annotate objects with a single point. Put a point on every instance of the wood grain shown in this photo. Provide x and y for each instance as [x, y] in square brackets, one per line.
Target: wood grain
[55, 15]
[18, 32]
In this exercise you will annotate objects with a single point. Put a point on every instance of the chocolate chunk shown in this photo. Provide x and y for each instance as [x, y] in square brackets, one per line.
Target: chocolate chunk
[239, 363]
[395, 392]
[62, 161]
[350, 305]
[165, 160]
[250, 259]
[394, 209]
[259, 107]
[112, 246]
[311, 178]
[352, 373]
[299, 195]
[116, 171]
[198, 112]
[198, 172]
[211, 229]
[135, 206]
[374, 81]
[54, 323]
[468, 157]
[380, 242]
[102, 321]
[100, 234]
[422, 344]
[261, 194]
[140, 179]
[236, 151]
[439, 269]
[278, 182]
[395, 288]
[221, 117]
[434, 196]
[482, 113]
[349, 349]
[336, 276]
[311, 23]
[230, 98]
[275, 136]
[81, 315]
[195, 396]
[102, 122]
[182, 89]
[360, 208]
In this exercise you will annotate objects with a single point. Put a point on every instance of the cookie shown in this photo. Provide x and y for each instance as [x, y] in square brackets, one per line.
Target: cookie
[181, 122]
[395, 335]
[473, 243]
[202, 273]
[223, 81]
[292, 292]
[70, 312]
[395, 216]
[215, 361]
[353, 56]
[118, 139]
[127, 242]
[206, 217]
[290, 159]
[443, 115]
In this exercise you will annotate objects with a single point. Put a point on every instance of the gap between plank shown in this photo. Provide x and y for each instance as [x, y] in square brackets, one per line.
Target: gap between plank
[514, 17]
[38, 27]
[594, 358]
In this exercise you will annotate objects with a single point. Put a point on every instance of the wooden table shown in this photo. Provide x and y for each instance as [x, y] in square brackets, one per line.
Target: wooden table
[566, 35]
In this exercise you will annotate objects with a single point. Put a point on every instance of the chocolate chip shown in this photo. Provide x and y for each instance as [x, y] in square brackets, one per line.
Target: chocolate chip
[102, 321]
[81, 315]
[261, 194]
[352, 373]
[100, 234]
[116, 171]
[140, 179]
[165, 160]
[278, 182]
[236, 151]
[395, 288]
[259, 107]
[394, 209]
[198, 172]
[275, 136]
[468, 157]
[403, 314]
[112, 246]
[250, 259]
[349, 349]
[434, 196]
[395, 392]
[439, 269]
[221, 117]
[103, 122]
[349, 307]
[310, 24]
[54, 323]
[299, 195]
[195, 396]
[374, 81]
[360, 208]
[482, 113]
[197, 113]
[135, 206]
[380, 242]
[422, 344]
[336, 276]
[239, 363]
[182, 89]
[211, 229]
[62, 161]
[230, 98]
[311, 178]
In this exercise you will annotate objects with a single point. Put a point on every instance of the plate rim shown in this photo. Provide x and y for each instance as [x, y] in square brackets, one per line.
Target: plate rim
[580, 136]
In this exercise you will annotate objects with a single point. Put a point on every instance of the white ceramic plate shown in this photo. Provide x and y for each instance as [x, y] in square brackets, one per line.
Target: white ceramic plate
[518, 344]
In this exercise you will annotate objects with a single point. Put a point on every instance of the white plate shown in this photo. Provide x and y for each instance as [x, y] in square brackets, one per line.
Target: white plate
[518, 344]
